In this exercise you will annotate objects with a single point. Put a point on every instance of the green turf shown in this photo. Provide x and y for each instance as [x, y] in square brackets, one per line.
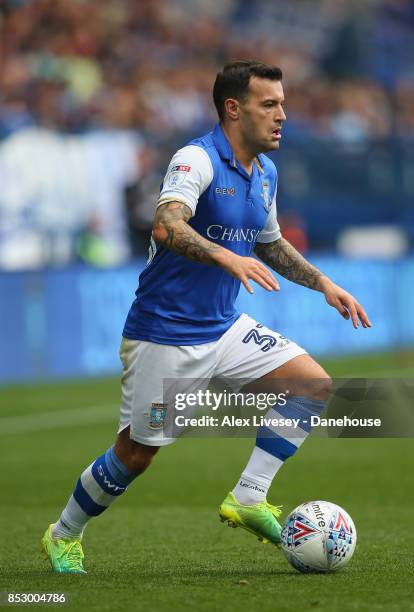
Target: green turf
[161, 547]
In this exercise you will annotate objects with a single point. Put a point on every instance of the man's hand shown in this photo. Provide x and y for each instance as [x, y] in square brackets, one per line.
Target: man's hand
[282, 257]
[248, 268]
[344, 302]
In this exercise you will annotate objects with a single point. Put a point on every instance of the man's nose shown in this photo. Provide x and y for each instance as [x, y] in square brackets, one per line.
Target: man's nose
[281, 116]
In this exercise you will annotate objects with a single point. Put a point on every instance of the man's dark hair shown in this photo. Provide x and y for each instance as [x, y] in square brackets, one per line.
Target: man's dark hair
[233, 81]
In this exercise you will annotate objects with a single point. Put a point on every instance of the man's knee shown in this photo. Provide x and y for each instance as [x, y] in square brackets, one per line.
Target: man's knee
[314, 381]
[320, 388]
[302, 376]
[135, 456]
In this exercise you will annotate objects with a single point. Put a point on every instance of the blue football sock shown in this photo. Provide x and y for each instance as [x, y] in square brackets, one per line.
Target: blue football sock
[97, 488]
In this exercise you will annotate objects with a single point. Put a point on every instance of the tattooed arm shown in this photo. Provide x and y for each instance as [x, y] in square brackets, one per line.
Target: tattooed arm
[282, 257]
[172, 231]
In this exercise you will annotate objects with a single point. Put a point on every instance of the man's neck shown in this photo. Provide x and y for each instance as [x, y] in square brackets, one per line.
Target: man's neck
[243, 155]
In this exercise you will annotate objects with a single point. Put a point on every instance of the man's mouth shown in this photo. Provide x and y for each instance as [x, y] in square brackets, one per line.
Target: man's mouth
[277, 133]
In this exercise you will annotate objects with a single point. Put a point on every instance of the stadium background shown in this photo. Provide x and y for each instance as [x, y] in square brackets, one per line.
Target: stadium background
[95, 97]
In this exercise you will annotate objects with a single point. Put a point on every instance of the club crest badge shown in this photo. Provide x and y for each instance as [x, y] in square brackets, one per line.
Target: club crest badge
[157, 415]
[266, 194]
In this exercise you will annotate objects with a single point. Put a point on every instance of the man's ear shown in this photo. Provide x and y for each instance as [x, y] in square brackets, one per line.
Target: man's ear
[232, 108]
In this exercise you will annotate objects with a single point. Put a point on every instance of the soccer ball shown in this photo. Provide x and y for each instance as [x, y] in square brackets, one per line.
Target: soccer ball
[318, 536]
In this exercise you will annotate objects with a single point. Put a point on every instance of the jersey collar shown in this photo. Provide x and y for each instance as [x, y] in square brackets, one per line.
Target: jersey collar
[223, 146]
[226, 152]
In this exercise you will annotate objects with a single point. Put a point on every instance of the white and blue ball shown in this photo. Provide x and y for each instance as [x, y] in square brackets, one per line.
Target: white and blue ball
[318, 536]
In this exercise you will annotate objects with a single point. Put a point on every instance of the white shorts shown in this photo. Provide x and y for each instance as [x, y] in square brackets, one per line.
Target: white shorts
[246, 352]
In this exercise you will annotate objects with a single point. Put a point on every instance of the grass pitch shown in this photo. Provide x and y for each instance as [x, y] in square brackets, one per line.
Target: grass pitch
[161, 546]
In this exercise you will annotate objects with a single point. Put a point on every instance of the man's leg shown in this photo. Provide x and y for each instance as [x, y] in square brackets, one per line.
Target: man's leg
[146, 368]
[97, 488]
[309, 387]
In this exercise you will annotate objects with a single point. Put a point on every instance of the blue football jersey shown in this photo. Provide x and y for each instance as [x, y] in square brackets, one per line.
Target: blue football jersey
[182, 302]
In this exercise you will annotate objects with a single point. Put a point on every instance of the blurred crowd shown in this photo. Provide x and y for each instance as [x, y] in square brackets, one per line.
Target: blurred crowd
[78, 64]
[147, 66]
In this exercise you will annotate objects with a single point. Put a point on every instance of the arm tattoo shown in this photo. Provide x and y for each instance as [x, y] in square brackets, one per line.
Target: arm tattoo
[173, 232]
[282, 257]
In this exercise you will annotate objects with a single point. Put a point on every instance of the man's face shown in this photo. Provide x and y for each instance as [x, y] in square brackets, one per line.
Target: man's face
[261, 115]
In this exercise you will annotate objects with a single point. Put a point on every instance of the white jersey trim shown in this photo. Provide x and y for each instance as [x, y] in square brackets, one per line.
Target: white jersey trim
[189, 174]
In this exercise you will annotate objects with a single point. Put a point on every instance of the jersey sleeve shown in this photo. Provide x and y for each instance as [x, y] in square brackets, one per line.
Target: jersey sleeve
[189, 174]
[271, 230]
